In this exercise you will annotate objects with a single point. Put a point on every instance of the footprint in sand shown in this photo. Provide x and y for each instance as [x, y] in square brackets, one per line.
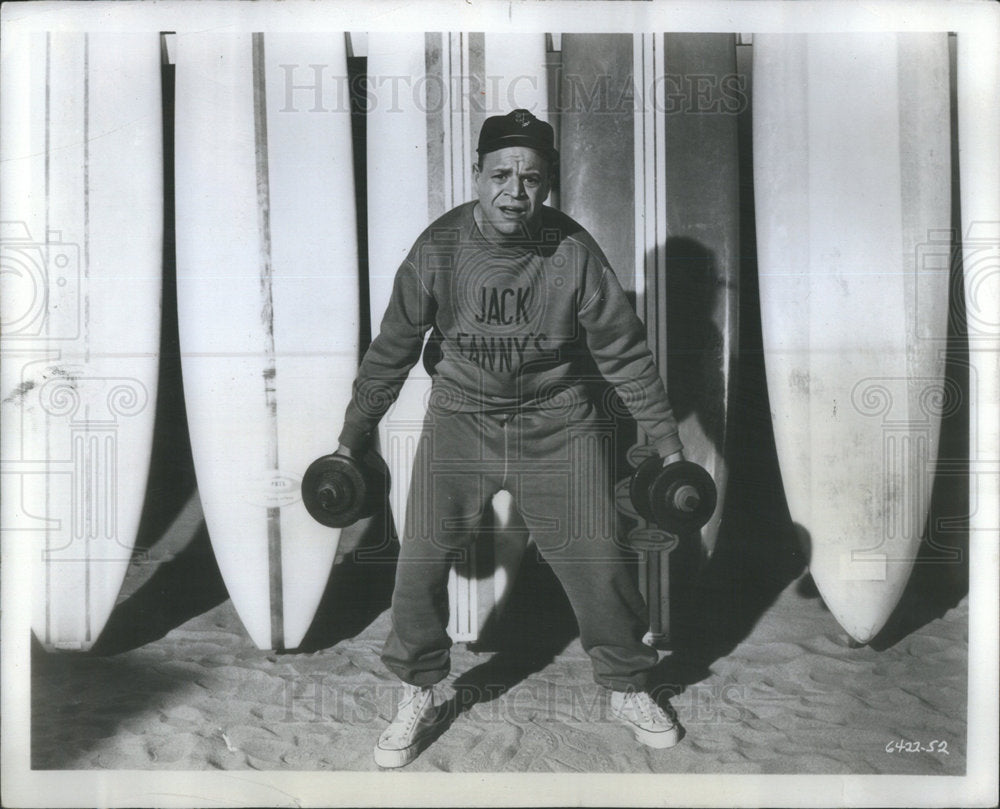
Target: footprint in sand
[171, 749]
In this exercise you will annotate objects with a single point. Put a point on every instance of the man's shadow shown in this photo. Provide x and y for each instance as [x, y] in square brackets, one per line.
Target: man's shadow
[536, 625]
[716, 601]
[760, 550]
[695, 305]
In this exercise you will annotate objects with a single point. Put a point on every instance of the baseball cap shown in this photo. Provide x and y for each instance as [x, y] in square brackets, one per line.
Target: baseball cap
[517, 128]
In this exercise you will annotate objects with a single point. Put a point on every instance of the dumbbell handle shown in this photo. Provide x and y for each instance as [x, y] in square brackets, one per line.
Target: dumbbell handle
[331, 494]
[687, 498]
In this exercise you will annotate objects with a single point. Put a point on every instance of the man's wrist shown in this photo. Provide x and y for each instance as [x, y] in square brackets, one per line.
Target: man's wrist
[354, 441]
[669, 446]
[673, 457]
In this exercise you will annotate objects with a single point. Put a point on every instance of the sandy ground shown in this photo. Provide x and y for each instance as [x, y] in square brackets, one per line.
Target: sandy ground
[176, 684]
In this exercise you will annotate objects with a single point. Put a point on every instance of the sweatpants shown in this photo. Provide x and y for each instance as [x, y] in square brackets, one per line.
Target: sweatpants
[555, 464]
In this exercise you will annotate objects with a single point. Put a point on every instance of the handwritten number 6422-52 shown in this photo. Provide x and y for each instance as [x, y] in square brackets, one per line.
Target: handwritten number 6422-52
[903, 746]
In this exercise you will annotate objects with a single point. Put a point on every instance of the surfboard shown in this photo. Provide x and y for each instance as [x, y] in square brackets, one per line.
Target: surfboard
[82, 247]
[267, 290]
[421, 144]
[674, 218]
[852, 189]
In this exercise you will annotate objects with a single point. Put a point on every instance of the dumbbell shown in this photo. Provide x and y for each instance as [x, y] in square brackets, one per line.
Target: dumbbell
[679, 498]
[338, 491]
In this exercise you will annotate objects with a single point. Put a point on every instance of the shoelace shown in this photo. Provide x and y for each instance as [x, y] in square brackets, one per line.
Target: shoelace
[648, 707]
[414, 709]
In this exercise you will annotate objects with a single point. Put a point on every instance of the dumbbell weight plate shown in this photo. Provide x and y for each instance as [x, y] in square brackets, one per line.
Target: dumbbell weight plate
[682, 498]
[642, 480]
[679, 498]
[336, 491]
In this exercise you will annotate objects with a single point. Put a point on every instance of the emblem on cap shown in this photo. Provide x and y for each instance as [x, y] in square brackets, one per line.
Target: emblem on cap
[517, 128]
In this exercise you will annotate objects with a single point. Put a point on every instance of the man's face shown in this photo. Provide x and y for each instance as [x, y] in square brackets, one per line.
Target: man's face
[512, 185]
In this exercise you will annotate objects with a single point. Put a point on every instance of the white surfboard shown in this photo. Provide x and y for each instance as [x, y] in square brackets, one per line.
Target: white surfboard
[82, 247]
[267, 304]
[421, 145]
[852, 188]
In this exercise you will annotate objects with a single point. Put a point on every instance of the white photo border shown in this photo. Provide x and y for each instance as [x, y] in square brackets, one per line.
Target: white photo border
[976, 22]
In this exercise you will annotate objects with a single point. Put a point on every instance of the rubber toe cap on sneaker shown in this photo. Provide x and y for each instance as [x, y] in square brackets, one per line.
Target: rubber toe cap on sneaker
[658, 739]
[390, 758]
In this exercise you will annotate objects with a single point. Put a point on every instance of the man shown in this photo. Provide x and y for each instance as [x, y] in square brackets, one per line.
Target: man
[524, 312]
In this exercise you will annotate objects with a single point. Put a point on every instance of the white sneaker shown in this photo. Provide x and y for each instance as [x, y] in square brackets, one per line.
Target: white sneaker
[416, 719]
[648, 721]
